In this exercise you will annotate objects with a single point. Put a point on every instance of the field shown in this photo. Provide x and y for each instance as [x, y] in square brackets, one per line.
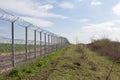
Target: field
[6, 48]
[20, 55]
[74, 62]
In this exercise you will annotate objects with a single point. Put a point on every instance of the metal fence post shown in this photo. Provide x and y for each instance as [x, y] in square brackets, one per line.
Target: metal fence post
[55, 43]
[35, 43]
[26, 43]
[57, 38]
[48, 43]
[51, 44]
[45, 43]
[13, 46]
[58, 41]
[63, 42]
[40, 44]
[61, 39]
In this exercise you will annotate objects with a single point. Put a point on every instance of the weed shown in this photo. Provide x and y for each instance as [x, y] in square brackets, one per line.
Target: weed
[80, 49]
[40, 64]
[28, 69]
[13, 73]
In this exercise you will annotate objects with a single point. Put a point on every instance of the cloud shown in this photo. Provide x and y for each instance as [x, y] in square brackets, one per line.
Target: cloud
[109, 29]
[116, 9]
[46, 7]
[30, 8]
[96, 3]
[84, 20]
[84, 34]
[38, 22]
[67, 5]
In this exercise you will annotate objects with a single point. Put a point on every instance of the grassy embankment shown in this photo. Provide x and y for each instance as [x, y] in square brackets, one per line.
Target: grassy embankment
[71, 63]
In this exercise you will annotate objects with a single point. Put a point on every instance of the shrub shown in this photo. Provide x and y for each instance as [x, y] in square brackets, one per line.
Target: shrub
[106, 47]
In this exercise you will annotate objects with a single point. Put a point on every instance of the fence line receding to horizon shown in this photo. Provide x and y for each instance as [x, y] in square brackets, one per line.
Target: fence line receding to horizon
[22, 42]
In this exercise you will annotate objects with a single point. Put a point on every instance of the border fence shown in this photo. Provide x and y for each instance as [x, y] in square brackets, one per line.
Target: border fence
[22, 42]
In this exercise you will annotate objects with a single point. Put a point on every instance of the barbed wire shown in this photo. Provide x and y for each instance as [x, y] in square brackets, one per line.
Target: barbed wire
[12, 18]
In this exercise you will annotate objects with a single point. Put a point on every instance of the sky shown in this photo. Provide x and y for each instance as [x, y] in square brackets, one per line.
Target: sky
[81, 20]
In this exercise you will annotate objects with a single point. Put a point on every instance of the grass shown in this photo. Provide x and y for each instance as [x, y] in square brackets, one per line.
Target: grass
[30, 70]
[108, 48]
[103, 65]
[68, 64]
[6, 48]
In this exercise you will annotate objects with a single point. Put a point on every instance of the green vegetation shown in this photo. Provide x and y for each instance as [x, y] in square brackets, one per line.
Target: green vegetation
[32, 69]
[70, 63]
[6, 48]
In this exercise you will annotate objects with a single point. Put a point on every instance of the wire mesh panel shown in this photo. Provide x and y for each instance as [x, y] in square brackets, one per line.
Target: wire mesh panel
[31, 45]
[21, 42]
[42, 51]
[5, 45]
[38, 44]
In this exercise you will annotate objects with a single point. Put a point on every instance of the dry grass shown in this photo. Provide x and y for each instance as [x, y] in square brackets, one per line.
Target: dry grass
[106, 47]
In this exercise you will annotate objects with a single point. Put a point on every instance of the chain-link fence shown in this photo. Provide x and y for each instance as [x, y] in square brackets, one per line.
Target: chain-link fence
[21, 42]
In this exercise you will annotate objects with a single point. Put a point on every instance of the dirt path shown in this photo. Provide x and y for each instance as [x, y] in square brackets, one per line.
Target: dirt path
[53, 64]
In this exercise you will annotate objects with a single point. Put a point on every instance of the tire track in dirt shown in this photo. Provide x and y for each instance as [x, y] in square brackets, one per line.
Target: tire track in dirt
[54, 63]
